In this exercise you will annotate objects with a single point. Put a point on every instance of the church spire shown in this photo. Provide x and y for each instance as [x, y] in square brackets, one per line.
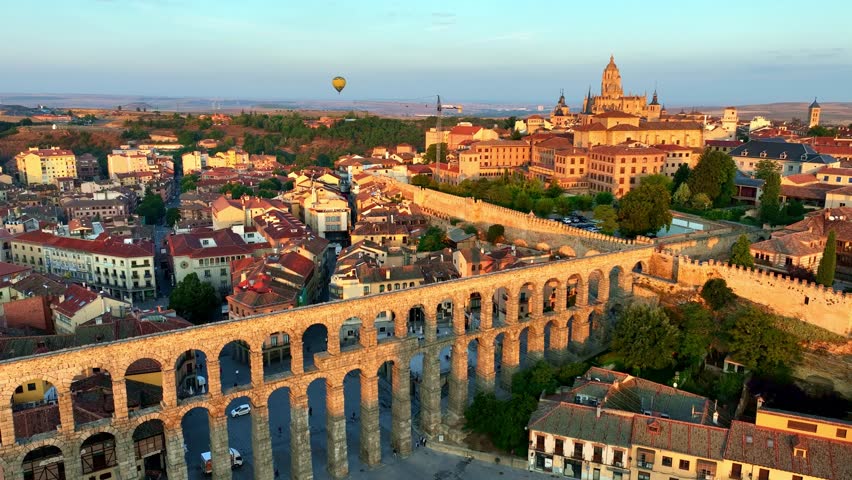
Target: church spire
[654, 99]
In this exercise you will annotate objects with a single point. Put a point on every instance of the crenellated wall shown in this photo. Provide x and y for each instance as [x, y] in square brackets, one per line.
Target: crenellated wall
[810, 302]
[519, 226]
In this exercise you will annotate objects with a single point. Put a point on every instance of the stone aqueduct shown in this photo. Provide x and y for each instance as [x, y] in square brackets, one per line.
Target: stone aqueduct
[568, 328]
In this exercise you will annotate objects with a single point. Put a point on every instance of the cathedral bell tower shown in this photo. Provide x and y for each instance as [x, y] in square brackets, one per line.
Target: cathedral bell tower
[813, 114]
[611, 81]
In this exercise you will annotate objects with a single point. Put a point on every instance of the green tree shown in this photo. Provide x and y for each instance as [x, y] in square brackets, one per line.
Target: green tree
[828, 262]
[645, 338]
[554, 190]
[717, 293]
[543, 206]
[604, 198]
[714, 176]
[495, 233]
[271, 183]
[523, 202]
[700, 201]
[152, 208]
[541, 377]
[194, 300]
[583, 202]
[644, 209]
[682, 195]
[821, 131]
[237, 190]
[741, 253]
[608, 218]
[189, 182]
[564, 205]
[758, 344]
[423, 181]
[680, 176]
[657, 179]
[429, 156]
[470, 229]
[697, 332]
[433, 240]
[770, 200]
[172, 216]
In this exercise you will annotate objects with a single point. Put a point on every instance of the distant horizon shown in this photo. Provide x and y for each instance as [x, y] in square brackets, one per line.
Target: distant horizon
[722, 53]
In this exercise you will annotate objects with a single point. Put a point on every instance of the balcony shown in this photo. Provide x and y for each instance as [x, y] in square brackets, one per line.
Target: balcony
[597, 459]
[645, 465]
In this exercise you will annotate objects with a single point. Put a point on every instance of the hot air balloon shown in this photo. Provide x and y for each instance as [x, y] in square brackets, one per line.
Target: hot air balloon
[338, 83]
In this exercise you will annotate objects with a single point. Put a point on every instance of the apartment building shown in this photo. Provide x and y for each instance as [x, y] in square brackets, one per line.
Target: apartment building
[45, 165]
[124, 269]
[617, 169]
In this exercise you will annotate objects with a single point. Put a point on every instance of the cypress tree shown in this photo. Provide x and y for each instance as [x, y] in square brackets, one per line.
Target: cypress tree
[828, 263]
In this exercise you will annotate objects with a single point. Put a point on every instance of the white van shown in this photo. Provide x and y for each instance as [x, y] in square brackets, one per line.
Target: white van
[207, 463]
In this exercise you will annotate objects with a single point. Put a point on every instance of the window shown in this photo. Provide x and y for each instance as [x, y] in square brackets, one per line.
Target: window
[683, 465]
[841, 433]
[559, 448]
[20, 389]
[539, 442]
[797, 477]
[597, 455]
[763, 474]
[667, 461]
[578, 450]
[31, 387]
[644, 476]
[805, 427]
[618, 458]
[596, 474]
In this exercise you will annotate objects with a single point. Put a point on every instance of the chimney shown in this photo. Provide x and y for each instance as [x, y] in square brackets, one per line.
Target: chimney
[598, 411]
[759, 402]
[387, 274]
[715, 418]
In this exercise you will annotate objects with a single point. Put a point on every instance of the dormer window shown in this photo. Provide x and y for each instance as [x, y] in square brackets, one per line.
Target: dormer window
[783, 155]
[744, 153]
[800, 452]
[770, 443]
[654, 427]
[763, 154]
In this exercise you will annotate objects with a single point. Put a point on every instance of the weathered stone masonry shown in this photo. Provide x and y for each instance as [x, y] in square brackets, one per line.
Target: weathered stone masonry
[539, 284]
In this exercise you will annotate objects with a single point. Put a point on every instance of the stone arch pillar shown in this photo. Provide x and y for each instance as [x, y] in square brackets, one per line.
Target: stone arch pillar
[430, 394]
[430, 325]
[175, 458]
[485, 365]
[582, 294]
[367, 332]
[401, 409]
[7, 424]
[338, 464]
[255, 362]
[486, 312]
[71, 458]
[561, 299]
[603, 289]
[580, 328]
[558, 347]
[119, 398]
[510, 360]
[511, 309]
[169, 389]
[400, 324]
[626, 282]
[457, 401]
[261, 441]
[125, 454]
[297, 361]
[370, 450]
[333, 342]
[457, 319]
[300, 437]
[535, 344]
[535, 303]
[66, 410]
[219, 454]
[214, 378]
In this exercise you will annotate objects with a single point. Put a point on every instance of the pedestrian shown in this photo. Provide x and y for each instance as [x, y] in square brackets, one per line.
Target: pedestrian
[394, 453]
[424, 441]
[279, 432]
[310, 411]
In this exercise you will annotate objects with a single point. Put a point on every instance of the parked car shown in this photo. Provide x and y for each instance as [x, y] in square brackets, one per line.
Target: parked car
[241, 410]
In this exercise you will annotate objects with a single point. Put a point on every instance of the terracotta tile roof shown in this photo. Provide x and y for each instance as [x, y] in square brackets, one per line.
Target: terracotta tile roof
[814, 191]
[7, 269]
[625, 127]
[801, 178]
[672, 148]
[464, 130]
[796, 244]
[766, 447]
[834, 171]
[670, 126]
[618, 150]
[723, 143]
[103, 245]
[76, 297]
[688, 438]
[580, 421]
[592, 127]
[226, 242]
[48, 152]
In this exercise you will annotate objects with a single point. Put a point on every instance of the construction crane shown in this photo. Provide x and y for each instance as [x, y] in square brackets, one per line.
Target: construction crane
[441, 107]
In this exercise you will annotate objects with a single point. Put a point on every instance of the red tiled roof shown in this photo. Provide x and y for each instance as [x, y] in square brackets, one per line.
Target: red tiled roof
[835, 171]
[671, 148]
[76, 297]
[190, 244]
[592, 127]
[617, 150]
[723, 143]
[11, 269]
[801, 178]
[103, 245]
[464, 130]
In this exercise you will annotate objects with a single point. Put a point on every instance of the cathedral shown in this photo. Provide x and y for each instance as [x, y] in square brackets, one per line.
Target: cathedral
[612, 97]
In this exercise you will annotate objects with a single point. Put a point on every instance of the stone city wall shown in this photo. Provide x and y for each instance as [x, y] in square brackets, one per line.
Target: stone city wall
[812, 303]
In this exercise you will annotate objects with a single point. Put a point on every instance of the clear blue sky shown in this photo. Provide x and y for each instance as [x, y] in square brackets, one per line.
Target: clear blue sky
[474, 50]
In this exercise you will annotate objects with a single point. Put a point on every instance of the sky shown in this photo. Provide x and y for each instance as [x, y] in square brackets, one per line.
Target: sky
[492, 51]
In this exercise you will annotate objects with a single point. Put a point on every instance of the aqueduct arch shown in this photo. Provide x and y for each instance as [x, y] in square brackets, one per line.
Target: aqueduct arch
[557, 317]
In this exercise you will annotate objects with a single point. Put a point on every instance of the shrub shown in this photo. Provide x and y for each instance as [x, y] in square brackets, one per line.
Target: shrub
[717, 293]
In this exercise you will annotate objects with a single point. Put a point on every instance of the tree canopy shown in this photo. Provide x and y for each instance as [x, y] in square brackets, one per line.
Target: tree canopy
[172, 216]
[495, 233]
[714, 176]
[644, 209]
[645, 338]
[433, 240]
[431, 150]
[152, 208]
[717, 293]
[194, 300]
[608, 218]
[758, 344]
[741, 253]
[770, 200]
[828, 262]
